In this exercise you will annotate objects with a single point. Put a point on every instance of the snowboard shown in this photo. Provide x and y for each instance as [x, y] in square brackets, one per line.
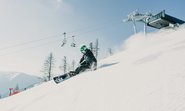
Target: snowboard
[61, 78]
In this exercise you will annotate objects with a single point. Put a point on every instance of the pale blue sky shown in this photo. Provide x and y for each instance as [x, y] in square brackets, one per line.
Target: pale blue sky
[31, 29]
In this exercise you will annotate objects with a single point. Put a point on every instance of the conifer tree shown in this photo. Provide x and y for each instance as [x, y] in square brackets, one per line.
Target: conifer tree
[48, 67]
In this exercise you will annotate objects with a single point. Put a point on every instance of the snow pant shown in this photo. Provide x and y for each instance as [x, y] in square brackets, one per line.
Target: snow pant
[85, 66]
[82, 68]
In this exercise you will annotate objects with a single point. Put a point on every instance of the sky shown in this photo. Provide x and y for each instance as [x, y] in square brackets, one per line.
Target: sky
[31, 29]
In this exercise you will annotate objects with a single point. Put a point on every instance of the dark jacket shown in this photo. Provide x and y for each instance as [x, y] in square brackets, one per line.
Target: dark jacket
[88, 58]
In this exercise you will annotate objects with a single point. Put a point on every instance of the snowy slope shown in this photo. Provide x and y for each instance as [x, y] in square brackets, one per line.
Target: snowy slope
[149, 75]
[11, 79]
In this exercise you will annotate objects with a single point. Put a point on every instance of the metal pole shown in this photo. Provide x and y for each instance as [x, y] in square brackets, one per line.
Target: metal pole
[134, 25]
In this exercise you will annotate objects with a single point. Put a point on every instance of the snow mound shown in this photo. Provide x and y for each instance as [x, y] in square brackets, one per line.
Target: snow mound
[148, 75]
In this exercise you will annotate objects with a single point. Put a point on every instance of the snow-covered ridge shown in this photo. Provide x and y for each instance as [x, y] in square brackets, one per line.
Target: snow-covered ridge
[12, 79]
[148, 75]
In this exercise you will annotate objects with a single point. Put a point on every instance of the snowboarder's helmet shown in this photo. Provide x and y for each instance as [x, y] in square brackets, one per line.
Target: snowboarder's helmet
[83, 48]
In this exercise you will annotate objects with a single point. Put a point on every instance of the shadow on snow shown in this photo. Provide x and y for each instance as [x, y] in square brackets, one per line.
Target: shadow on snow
[107, 65]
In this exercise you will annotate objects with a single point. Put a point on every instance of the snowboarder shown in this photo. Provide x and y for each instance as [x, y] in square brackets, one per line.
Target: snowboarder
[88, 61]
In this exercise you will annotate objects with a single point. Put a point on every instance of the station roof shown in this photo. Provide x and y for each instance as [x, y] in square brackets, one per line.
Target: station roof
[162, 20]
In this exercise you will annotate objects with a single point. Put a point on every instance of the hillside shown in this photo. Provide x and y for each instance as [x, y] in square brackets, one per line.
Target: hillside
[12, 79]
[148, 75]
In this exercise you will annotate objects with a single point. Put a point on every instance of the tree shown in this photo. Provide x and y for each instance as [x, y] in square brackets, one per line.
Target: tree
[64, 65]
[16, 88]
[73, 65]
[110, 51]
[48, 67]
[96, 48]
[91, 47]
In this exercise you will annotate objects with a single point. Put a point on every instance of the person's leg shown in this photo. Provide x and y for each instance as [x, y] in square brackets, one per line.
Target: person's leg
[81, 68]
[94, 66]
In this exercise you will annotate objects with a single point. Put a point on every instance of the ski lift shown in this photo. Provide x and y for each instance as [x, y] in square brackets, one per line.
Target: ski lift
[73, 44]
[64, 40]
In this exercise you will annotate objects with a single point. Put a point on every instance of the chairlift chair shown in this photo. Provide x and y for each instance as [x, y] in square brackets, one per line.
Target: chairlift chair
[64, 40]
[73, 44]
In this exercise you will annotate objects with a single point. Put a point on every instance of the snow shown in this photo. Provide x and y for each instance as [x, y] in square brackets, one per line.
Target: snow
[11, 79]
[148, 75]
